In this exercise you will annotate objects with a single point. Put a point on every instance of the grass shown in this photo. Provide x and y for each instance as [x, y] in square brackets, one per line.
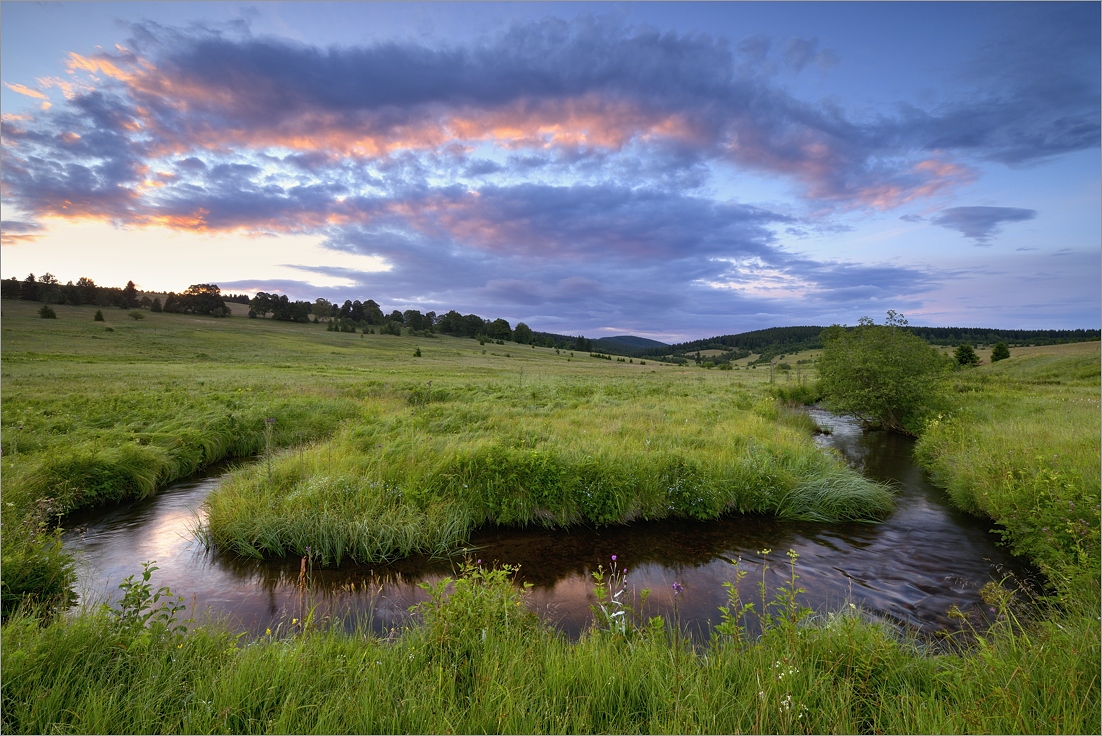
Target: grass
[476, 661]
[92, 417]
[418, 473]
[1021, 446]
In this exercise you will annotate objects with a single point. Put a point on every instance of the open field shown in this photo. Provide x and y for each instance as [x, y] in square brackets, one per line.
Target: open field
[98, 412]
[93, 417]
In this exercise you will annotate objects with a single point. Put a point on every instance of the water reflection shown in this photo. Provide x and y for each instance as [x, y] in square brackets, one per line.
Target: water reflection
[911, 568]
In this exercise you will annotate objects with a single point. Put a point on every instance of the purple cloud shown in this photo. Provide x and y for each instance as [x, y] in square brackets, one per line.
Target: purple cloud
[981, 224]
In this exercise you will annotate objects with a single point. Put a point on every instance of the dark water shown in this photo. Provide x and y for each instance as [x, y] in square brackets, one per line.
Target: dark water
[910, 569]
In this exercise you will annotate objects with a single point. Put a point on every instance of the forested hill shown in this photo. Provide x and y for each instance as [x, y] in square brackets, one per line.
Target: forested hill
[782, 340]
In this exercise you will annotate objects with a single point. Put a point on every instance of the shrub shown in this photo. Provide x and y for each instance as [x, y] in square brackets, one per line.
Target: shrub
[417, 353]
[965, 355]
[47, 312]
[880, 374]
[999, 352]
[136, 314]
[99, 316]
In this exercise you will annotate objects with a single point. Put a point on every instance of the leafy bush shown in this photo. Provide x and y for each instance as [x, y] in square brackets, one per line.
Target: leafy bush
[99, 316]
[880, 374]
[47, 312]
[136, 314]
[965, 355]
[999, 352]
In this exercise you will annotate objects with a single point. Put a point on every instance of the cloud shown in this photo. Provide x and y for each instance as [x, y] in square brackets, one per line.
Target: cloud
[13, 232]
[552, 168]
[981, 224]
[577, 99]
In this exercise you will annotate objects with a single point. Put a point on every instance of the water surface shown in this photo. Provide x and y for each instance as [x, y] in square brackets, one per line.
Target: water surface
[910, 569]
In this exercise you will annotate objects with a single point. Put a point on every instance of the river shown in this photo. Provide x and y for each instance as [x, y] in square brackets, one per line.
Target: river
[910, 569]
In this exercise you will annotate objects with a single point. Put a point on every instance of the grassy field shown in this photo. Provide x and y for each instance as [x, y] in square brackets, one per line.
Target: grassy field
[419, 449]
[362, 427]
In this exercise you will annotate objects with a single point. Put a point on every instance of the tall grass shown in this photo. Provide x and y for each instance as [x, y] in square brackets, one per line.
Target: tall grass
[412, 476]
[1022, 447]
[478, 661]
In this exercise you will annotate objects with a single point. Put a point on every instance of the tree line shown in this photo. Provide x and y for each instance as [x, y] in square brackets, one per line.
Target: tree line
[352, 315]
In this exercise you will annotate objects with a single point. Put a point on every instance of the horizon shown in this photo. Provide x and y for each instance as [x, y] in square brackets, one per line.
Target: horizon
[668, 171]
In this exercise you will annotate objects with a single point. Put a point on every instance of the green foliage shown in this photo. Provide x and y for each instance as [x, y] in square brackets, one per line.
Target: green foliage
[999, 352]
[99, 316]
[47, 312]
[37, 573]
[965, 355]
[880, 374]
[1023, 448]
[142, 612]
[136, 314]
[417, 352]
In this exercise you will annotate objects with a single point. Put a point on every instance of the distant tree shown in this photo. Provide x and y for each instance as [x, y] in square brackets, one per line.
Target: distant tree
[156, 305]
[999, 352]
[499, 329]
[373, 314]
[89, 292]
[392, 327]
[429, 323]
[48, 289]
[522, 334]
[473, 325]
[130, 295]
[413, 319]
[11, 288]
[965, 355]
[47, 312]
[29, 292]
[145, 302]
[204, 299]
[881, 374]
[322, 309]
[397, 316]
[98, 317]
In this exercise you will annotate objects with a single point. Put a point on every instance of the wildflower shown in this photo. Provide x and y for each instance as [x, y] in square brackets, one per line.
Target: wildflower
[267, 632]
[678, 588]
[614, 558]
[294, 621]
[270, 421]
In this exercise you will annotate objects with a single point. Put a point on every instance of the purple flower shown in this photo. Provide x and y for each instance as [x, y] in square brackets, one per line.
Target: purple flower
[270, 421]
[678, 589]
[614, 558]
[478, 562]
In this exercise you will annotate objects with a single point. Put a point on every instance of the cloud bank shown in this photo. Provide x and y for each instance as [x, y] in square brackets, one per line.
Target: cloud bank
[557, 170]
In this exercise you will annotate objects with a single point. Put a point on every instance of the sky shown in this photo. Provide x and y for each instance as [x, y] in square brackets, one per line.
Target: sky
[669, 170]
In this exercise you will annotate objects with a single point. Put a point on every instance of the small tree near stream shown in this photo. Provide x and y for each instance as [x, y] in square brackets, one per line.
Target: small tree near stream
[881, 374]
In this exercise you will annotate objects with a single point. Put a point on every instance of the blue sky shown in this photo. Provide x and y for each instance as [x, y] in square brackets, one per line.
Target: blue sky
[674, 170]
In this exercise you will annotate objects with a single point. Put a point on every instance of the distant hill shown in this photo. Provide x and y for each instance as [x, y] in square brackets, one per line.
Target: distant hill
[627, 345]
[775, 341]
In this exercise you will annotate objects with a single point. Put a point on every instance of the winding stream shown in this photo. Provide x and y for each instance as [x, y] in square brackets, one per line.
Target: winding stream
[910, 569]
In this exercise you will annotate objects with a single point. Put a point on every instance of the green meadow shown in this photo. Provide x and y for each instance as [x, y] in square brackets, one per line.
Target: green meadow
[366, 451]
